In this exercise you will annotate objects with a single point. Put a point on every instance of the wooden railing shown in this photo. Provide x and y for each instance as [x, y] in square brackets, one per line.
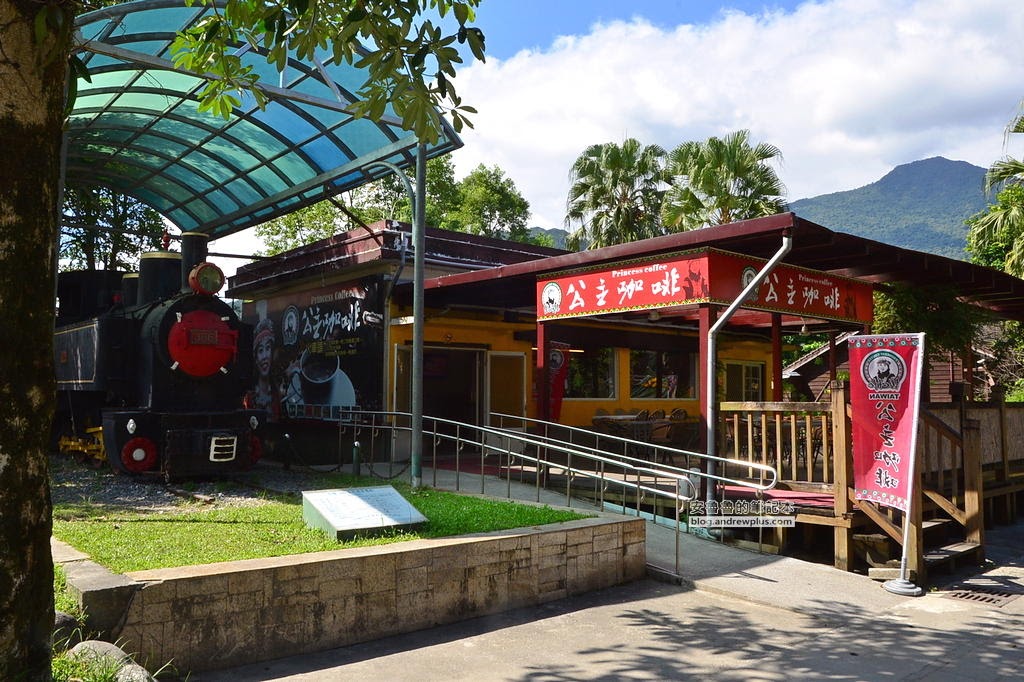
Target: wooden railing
[793, 438]
[808, 444]
[951, 472]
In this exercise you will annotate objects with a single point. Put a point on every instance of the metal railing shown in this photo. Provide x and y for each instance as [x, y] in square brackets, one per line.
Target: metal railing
[541, 450]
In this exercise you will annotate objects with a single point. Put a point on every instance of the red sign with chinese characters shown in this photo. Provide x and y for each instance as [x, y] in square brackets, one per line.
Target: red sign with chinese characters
[706, 276]
[885, 394]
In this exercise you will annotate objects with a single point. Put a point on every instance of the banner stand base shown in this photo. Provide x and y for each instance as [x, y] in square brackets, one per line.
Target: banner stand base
[902, 587]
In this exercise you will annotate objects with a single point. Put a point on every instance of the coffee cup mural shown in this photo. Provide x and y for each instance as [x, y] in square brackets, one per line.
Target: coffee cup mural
[319, 380]
[317, 373]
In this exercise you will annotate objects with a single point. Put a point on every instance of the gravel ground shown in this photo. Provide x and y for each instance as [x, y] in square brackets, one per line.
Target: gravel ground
[72, 482]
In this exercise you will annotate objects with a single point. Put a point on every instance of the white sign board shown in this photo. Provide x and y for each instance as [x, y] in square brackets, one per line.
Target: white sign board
[353, 511]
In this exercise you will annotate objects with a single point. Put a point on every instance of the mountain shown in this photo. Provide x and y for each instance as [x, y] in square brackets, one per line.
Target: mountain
[920, 205]
[556, 234]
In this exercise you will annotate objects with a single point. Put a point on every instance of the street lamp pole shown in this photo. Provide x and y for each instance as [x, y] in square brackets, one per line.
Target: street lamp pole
[419, 249]
[417, 199]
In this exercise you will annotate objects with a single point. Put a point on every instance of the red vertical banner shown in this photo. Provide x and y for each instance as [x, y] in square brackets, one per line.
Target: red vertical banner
[558, 370]
[885, 398]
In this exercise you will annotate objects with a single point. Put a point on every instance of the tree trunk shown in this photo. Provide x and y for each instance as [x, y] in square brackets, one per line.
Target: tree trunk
[31, 102]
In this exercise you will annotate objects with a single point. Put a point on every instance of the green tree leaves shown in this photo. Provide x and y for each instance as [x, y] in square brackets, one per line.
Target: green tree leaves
[485, 202]
[490, 204]
[630, 192]
[304, 226]
[408, 55]
[615, 194]
[951, 324]
[721, 180]
[102, 229]
[996, 237]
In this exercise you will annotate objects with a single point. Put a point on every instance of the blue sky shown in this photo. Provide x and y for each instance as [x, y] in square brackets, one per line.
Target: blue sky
[513, 25]
[847, 89]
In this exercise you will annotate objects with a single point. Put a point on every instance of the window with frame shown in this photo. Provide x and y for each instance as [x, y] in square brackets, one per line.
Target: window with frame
[662, 374]
[591, 373]
[744, 381]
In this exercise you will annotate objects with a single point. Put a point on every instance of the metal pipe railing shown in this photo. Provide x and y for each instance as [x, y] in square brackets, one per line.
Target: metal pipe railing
[590, 462]
[656, 448]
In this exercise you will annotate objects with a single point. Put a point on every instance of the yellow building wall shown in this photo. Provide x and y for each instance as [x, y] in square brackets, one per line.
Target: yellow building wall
[492, 333]
[482, 332]
[747, 350]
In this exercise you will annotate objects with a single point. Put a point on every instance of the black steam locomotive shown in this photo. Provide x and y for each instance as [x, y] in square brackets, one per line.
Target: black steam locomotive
[152, 368]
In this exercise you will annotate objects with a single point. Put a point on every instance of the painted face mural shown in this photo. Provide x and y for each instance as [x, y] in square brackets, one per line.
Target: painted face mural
[263, 354]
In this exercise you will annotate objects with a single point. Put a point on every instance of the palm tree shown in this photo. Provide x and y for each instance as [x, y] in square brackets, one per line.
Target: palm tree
[721, 181]
[615, 194]
[1008, 169]
[994, 236]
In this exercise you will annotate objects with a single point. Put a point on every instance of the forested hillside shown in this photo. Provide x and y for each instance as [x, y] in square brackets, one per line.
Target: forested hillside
[920, 205]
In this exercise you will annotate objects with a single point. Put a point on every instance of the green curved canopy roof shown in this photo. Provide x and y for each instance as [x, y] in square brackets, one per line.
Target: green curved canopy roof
[136, 128]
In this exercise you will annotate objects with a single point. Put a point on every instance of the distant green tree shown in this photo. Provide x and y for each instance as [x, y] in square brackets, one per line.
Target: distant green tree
[1007, 169]
[615, 194]
[998, 231]
[442, 191]
[485, 202]
[721, 180]
[490, 204]
[996, 238]
[387, 199]
[305, 226]
[104, 230]
[950, 324]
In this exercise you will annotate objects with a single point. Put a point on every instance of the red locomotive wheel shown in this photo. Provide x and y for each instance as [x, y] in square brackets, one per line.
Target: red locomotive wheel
[139, 455]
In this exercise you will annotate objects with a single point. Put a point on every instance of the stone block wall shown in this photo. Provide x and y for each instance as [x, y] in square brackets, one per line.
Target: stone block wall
[221, 615]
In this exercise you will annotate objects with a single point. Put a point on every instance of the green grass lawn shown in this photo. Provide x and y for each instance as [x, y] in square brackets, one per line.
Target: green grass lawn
[195, 534]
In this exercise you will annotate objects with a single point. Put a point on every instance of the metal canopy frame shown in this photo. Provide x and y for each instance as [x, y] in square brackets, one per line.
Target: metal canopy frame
[137, 130]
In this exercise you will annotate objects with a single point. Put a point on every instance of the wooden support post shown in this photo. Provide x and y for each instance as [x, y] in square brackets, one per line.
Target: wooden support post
[915, 538]
[842, 461]
[974, 528]
[1003, 473]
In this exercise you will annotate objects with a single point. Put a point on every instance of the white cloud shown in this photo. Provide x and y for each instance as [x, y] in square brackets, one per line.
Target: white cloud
[847, 89]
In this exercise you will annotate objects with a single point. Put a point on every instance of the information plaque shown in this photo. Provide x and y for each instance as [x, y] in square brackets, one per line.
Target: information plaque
[350, 512]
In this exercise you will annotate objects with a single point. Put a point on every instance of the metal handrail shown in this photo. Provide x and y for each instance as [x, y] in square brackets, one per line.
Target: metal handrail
[655, 447]
[684, 487]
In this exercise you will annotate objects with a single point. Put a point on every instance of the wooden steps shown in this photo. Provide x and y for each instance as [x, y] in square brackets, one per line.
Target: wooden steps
[947, 556]
[951, 553]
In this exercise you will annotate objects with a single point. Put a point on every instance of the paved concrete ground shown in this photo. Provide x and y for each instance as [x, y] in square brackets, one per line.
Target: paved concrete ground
[737, 615]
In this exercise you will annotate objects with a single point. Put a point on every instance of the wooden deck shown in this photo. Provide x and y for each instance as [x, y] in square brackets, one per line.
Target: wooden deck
[970, 471]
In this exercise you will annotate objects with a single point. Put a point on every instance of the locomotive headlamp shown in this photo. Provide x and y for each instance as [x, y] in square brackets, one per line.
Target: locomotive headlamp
[131, 426]
[206, 279]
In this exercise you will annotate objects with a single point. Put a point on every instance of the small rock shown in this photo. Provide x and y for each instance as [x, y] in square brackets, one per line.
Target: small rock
[107, 654]
[67, 632]
[94, 650]
[133, 672]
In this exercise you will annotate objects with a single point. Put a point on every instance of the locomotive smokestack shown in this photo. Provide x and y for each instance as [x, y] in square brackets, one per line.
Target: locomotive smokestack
[193, 252]
[158, 275]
